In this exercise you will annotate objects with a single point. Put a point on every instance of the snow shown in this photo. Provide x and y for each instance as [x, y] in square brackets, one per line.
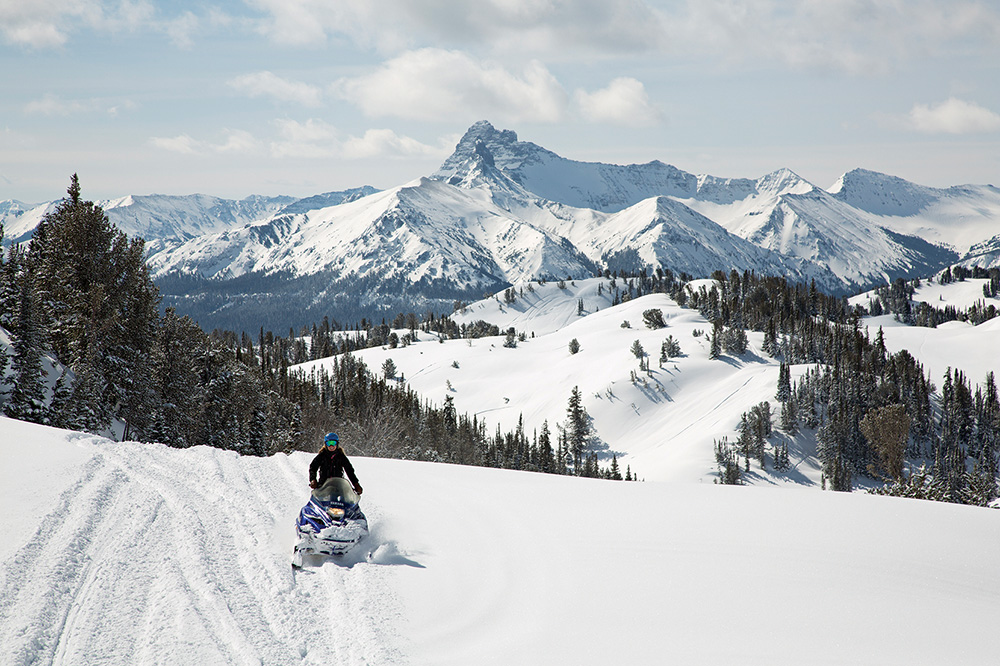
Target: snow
[957, 345]
[128, 553]
[125, 553]
[662, 425]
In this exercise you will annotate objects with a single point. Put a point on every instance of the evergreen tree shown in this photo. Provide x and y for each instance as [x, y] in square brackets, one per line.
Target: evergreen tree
[715, 344]
[577, 428]
[27, 399]
[653, 318]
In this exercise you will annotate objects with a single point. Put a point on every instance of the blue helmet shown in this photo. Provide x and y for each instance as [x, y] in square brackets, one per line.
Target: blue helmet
[331, 439]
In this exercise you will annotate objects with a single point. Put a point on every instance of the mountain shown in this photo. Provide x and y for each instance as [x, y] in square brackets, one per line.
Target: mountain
[159, 217]
[959, 217]
[603, 187]
[19, 220]
[500, 210]
[780, 211]
[440, 241]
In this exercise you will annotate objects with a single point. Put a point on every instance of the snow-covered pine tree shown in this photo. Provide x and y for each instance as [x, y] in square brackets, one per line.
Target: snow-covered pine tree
[27, 398]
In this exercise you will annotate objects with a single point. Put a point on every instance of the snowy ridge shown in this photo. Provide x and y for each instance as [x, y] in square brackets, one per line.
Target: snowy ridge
[500, 210]
[960, 217]
[159, 217]
[426, 230]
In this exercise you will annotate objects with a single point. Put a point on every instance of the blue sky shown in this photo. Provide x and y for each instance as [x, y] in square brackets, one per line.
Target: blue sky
[305, 96]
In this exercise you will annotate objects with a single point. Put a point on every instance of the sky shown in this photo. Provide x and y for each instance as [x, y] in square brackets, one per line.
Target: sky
[299, 97]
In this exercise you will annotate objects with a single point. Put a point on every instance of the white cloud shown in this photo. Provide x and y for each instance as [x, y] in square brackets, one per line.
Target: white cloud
[551, 28]
[53, 105]
[431, 84]
[267, 84]
[182, 144]
[236, 141]
[623, 102]
[853, 36]
[317, 139]
[386, 143]
[180, 30]
[953, 116]
[313, 139]
[41, 24]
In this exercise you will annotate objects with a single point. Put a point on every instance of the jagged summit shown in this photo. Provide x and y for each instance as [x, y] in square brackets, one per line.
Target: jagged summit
[507, 152]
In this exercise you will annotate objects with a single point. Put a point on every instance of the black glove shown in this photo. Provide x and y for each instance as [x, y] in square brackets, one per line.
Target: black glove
[313, 484]
[358, 489]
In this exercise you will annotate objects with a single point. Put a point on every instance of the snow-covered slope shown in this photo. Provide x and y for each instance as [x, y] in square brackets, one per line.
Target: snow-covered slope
[159, 217]
[960, 216]
[662, 425]
[780, 211]
[121, 553]
[19, 220]
[423, 231]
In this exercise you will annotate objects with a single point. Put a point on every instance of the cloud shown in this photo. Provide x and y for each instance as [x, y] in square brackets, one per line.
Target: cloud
[431, 84]
[180, 30]
[41, 23]
[853, 36]
[953, 116]
[313, 139]
[53, 105]
[267, 84]
[236, 141]
[44, 24]
[386, 143]
[182, 144]
[510, 26]
[623, 102]
[317, 139]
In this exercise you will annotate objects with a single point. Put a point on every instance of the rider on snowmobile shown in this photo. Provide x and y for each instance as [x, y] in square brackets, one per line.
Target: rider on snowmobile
[332, 462]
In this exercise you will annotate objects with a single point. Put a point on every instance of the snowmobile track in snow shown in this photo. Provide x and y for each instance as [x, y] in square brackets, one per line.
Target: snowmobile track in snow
[147, 562]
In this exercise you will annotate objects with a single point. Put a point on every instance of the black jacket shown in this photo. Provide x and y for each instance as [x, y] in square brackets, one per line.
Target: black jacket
[331, 465]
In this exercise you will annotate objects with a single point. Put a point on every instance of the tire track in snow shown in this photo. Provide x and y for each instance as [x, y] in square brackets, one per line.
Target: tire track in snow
[35, 616]
[157, 555]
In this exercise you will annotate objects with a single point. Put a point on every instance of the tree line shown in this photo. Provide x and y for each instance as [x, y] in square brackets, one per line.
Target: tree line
[857, 397]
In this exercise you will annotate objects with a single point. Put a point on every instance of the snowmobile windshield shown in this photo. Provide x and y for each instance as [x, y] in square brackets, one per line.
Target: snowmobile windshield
[336, 490]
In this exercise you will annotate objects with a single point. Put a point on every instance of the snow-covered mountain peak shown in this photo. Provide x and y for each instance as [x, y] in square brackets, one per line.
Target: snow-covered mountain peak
[507, 152]
[784, 181]
[882, 194]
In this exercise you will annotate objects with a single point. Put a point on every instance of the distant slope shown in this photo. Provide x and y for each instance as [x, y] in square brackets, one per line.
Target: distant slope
[159, 217]
[960, 216]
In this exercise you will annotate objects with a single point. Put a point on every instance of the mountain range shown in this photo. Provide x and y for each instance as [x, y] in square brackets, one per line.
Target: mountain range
[499, 211]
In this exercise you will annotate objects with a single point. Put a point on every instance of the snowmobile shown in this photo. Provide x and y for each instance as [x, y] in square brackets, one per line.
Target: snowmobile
[331, 523]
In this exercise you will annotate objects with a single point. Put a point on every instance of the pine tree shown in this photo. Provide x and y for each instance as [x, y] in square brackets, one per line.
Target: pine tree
[784, 383]
[28, 395]
[715, 344]
[577, 428]
[614, 473]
